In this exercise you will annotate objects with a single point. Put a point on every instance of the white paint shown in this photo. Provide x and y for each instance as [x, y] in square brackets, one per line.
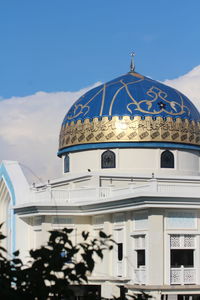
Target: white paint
[137, 160]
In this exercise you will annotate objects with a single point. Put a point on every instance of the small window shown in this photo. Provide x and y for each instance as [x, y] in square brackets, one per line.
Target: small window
[108, 159]
[167, 159]
[66, 164]
[140, 258]
[120, 251]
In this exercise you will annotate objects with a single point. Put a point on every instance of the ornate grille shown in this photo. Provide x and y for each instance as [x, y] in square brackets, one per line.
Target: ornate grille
[182, 241]
[189, 241]
[175, 241]
[183, 276]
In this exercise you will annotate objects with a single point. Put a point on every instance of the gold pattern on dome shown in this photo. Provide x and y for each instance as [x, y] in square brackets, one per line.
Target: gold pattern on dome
[80, 109]
[130, 130]
[155, 103]
[147, 105]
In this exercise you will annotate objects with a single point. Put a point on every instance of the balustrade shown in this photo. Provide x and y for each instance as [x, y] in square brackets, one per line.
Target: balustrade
[94, 193]
[183, 275]
[140, 275]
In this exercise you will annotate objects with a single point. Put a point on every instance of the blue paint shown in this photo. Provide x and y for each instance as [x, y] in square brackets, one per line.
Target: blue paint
[4, 174]
[132, 95]
[126, 145]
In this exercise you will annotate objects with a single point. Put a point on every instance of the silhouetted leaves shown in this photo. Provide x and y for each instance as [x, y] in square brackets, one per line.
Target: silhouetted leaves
[52, 268]
[85, 235]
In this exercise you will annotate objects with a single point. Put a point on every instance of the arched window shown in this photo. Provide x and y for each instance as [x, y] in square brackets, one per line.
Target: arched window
[167, 159]
[108, 159]
[66, 164]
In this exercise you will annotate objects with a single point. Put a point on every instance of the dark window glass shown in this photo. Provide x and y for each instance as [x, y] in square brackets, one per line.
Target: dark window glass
[108, 159]
[167, 159]
[140, 258]
[120, 251]
[182, 257]
[66, 164]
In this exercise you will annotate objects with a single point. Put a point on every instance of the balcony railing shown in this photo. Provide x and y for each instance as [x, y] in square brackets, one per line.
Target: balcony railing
[85, 194]
[140, 275]
[183, 275]
[56, 196]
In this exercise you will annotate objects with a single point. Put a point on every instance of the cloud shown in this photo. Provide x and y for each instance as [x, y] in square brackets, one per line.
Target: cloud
[29, 131]
[29, 126]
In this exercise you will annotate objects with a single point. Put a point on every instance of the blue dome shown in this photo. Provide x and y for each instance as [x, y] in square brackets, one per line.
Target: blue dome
[131, 98]
[132, 95]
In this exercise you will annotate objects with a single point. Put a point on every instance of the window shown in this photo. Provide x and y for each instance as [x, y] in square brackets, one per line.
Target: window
[66, 164]
[140, 250]
[167, 159]
[120, 251]
[140, 258]
[108, 159]
[182, 257]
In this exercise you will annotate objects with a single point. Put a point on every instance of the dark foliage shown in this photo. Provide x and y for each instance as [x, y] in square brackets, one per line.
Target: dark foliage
[52, 269]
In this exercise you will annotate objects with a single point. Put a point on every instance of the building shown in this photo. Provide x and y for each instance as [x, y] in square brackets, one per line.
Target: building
[130, 157]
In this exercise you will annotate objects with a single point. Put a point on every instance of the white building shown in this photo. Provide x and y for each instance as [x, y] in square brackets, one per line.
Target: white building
[130, 157]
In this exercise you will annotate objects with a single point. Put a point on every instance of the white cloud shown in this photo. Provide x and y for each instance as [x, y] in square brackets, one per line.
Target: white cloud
[188, 84]
[29, 130]
[29, 126]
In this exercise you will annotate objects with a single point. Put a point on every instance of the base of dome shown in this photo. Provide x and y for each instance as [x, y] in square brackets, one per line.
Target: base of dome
[127, 145]
[130, 130]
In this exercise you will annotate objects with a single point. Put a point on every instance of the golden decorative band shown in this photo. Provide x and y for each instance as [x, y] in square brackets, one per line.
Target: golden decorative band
[126, 129]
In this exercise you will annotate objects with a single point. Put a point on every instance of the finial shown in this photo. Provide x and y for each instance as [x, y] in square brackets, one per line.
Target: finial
[132, 66]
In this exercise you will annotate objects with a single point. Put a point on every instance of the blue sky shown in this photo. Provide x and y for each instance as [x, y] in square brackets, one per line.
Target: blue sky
[64, 45]
[52, 51]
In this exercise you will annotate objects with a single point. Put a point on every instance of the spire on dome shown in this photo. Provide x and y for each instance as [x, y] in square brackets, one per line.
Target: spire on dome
[132, 66]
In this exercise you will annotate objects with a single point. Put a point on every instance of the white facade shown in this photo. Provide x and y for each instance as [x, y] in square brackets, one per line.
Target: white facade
[136, 161]
[153, 214]
[131, 167]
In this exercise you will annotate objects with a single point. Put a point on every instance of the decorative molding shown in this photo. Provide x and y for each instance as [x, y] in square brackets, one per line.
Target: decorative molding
[129, 129]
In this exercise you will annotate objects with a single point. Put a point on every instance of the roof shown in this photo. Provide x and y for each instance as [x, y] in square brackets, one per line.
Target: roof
[134, 108]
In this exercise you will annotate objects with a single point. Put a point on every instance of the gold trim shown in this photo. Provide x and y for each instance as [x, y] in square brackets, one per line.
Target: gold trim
[135, 74]
[103, 99]
[130, 130]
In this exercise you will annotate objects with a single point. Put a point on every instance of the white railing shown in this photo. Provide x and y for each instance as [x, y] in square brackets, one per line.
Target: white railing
[183, 275]
[140, 275]
[85, 194]
[64, 195]
[179, 188]
[131, 189]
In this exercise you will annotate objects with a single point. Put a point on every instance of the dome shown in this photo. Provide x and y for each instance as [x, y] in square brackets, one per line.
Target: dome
[131, 111]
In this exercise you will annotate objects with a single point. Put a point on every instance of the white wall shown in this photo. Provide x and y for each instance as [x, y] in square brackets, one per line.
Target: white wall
[136, 160]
